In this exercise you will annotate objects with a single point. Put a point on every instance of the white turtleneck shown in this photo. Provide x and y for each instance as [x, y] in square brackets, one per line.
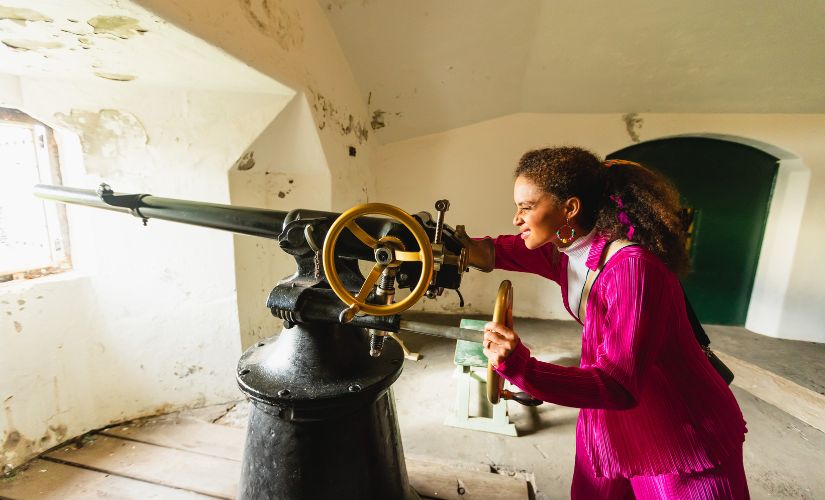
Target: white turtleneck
[577, 253]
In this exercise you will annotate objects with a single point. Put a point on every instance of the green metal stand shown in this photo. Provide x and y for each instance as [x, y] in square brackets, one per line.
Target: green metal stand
[470, 374]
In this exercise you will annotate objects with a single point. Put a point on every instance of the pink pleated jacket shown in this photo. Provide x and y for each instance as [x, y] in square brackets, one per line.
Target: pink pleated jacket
[651, 402]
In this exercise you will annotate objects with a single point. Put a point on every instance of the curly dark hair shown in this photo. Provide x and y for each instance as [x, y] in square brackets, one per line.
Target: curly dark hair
[650, 200]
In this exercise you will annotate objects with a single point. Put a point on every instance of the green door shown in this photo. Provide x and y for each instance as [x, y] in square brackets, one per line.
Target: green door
[727, 187]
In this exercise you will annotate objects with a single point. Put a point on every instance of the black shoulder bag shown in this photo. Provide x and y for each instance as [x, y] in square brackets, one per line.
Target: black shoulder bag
[704, 343]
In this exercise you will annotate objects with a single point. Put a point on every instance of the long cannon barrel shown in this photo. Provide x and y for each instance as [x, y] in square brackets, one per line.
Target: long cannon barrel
[272, 224]
[300, 233]
[244, 220]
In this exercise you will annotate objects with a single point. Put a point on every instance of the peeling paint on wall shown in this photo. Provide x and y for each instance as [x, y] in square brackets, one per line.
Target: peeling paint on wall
[361, 132]
[115, 76]
[279, 183]
[378, 119]
[183, 371]
[59, 432]
[326, 111]
[283, 193]
[273, 20]
[22, 15]
[18, 327]
[246, 161]
[120, 26]
[12, 440]
[329, 4]
[31, 44]
[76, 32]
[106, 134]
[633, 122]
[15, 445]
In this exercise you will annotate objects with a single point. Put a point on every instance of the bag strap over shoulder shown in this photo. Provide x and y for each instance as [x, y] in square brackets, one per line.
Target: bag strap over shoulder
[699, 332]
[609, 251]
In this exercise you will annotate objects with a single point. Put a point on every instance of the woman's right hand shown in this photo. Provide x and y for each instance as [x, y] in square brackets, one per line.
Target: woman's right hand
[499, 342]
[481, 254]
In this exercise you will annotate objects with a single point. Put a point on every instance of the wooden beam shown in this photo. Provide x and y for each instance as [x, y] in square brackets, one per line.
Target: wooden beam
[790, 397]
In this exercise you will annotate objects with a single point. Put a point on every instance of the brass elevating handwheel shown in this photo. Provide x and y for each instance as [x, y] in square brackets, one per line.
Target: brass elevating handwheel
[502, 314]
[357, 303]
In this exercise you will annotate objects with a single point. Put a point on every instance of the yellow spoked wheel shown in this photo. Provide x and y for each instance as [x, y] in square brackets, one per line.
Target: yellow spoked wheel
[357, 303]
[502, 313]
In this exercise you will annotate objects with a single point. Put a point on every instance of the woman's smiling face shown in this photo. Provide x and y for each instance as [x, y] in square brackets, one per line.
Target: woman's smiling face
[538, 214]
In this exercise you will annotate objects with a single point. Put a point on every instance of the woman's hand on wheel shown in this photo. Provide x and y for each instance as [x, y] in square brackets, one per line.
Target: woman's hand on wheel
[481, 253]
[499, 341]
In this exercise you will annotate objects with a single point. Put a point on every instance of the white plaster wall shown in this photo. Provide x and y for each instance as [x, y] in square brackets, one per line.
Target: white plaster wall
[289, 171]
[293, 42]
[147, 322]
[473, 165]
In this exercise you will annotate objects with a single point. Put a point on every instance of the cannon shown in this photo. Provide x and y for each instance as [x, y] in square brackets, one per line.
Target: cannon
[322, 420]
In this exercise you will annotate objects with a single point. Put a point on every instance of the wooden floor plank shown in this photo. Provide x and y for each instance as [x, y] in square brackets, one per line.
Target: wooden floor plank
[186, 434]
[431, 479]
[434, 480]
[50, 480]
[182, 469]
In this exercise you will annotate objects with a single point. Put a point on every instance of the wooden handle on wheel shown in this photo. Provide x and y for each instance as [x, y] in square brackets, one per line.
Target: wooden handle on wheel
[502, 313]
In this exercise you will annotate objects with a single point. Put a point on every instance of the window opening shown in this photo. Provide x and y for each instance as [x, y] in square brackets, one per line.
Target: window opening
[33, 234]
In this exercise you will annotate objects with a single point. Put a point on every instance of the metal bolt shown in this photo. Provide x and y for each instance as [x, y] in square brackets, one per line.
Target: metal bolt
[354, 388]
[102, 190]
[283, 393]
[383, 255]
[376, 344]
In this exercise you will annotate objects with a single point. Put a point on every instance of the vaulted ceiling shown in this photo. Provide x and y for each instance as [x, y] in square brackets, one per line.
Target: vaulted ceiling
[431, 65]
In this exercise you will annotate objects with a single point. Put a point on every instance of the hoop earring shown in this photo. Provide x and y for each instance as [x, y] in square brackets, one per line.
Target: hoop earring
[566, 239]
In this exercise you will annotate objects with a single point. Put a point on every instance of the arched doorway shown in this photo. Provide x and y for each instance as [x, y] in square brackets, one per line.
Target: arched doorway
[728, 187]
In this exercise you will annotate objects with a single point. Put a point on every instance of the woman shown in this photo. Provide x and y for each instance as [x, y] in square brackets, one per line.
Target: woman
[657, 421]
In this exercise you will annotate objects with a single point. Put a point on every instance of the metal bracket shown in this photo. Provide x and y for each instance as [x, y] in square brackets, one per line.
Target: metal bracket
[134, 202]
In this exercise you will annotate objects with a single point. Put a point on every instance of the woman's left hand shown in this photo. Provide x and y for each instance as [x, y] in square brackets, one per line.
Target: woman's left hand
[499, 341]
